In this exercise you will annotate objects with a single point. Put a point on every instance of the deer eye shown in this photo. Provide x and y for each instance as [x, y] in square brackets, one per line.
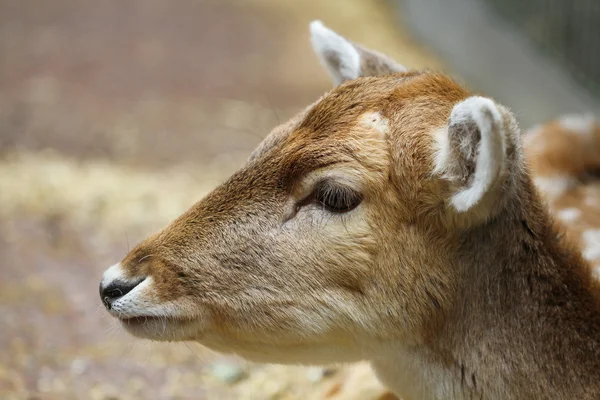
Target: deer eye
[336, 198]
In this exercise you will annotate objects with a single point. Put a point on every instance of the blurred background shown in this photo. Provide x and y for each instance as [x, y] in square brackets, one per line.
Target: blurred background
[117, 115]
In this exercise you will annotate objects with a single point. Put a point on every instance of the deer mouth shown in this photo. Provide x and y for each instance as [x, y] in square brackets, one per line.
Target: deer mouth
[141, 320]
[160, 327]
[153, 319]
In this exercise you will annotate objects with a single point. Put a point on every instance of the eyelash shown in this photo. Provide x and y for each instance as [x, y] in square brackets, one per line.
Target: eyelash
[335, 198]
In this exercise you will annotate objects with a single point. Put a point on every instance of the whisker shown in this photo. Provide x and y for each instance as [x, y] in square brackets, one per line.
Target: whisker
[192, 351]
[345, 226]
[127, 240]
[128, 355]
[149, 353]
[250, 132]
[273, 109]
[143, 258]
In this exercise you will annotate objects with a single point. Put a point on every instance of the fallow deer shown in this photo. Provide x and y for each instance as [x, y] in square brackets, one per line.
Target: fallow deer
[394, 220]
[564, 156]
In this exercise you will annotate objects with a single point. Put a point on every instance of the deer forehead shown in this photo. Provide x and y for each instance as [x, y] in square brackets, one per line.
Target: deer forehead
[375, 121]
[402, 110]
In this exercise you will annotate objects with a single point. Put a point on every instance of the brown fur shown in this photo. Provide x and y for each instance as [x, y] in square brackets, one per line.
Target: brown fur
[568, 160]
[489, 303]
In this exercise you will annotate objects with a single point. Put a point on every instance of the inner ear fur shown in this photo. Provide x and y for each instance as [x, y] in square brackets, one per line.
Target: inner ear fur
[479, 155]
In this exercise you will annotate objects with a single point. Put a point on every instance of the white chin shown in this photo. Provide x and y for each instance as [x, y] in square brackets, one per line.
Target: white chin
[280, 353]
[159, 328]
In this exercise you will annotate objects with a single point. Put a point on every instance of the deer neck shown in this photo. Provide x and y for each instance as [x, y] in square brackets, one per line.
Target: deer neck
[524, 321]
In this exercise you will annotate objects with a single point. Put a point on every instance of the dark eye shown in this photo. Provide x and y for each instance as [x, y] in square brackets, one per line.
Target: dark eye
[336, 198]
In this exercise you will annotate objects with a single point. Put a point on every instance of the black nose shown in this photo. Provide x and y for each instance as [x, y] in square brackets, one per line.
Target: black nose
[117, 289]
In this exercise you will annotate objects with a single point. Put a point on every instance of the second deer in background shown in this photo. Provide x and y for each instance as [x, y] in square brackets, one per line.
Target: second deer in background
[564, 156]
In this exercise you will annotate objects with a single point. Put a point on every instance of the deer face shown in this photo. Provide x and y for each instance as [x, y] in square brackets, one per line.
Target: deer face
[337, 229]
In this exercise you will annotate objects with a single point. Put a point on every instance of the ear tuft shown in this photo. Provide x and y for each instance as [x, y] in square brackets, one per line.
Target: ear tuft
[337, 54]
[472, 154]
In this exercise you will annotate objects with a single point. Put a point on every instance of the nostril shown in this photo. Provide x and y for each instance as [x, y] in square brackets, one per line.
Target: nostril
[117, 289]
[114, 293]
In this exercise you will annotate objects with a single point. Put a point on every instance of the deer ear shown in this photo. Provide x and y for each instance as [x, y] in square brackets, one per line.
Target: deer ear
[472, 151]
[345, 60]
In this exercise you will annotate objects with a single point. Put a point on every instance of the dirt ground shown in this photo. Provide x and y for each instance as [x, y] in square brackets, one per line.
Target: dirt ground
[115, 116]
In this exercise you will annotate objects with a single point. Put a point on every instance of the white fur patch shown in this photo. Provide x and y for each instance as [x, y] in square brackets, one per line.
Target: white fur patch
[569, 214]
[490, 149]
[113, 273]
[592, 201]
[579, 124]
[337, 54]
[596, 272]
[591, 240]
[441, 152]
[554, 186]
[533, 131]
[533, 139]
[374, 120]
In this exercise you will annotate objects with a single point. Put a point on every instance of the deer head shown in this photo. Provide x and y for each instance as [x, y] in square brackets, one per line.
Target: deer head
[341, 231]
